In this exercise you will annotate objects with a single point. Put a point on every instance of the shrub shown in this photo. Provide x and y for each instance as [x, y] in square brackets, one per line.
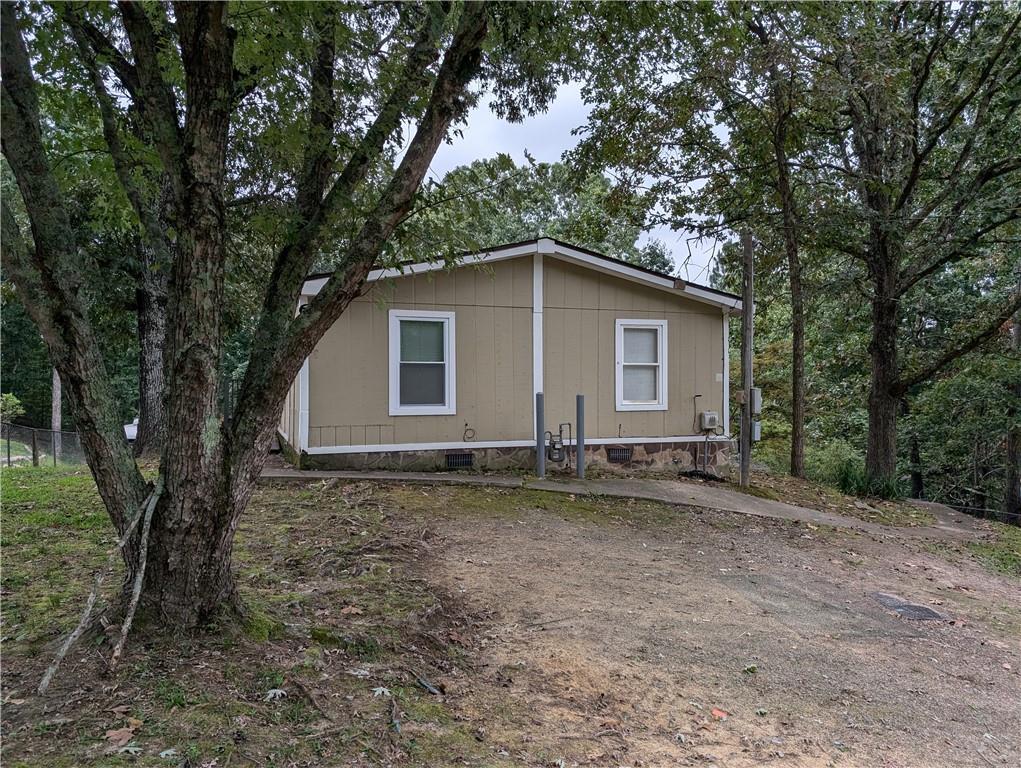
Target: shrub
[10, 407]
[853, 480]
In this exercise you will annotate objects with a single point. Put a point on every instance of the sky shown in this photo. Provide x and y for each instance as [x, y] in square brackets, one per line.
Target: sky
[546, 137]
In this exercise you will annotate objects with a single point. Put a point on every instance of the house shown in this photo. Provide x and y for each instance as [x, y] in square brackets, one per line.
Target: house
[437, 367]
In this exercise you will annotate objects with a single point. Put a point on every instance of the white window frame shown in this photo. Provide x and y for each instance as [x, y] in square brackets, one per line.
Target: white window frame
[450, 407]
[660, 326]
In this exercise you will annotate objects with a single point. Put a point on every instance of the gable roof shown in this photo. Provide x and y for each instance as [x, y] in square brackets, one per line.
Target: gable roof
[571, 253]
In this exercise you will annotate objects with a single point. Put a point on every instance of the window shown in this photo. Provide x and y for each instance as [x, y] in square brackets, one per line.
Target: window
[421, 363]
[641, 365]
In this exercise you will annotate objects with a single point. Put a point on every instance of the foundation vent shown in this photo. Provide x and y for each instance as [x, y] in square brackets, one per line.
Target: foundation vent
[460, 460]
[618, 455]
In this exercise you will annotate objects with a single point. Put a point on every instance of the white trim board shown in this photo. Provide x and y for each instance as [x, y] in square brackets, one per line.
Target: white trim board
[726, 373]
[537, 333]
[548, 246]
[662, 366]
[380, 448]
[303, 397]
[449, 405]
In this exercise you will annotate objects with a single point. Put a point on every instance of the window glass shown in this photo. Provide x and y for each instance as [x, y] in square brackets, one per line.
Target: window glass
[423, 383]
[641, 345]
[421, 341]
[640, 384]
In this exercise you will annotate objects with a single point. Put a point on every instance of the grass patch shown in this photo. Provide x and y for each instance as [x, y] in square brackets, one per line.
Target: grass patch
[516, 503]
[18, 449]
[1002, 554]
[330, 618]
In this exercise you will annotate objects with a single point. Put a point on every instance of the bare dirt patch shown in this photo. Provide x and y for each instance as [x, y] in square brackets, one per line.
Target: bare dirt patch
[329, 667]
[631, 633]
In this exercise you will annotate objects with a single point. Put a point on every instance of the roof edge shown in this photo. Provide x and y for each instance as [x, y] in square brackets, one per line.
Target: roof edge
[549, 245]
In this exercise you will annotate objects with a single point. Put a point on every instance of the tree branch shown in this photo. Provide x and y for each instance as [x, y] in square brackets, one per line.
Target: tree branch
[910, 380]
[122, 163]
[155, 99]
[447, 102]
[101, 45]
[50, 279]
[953, 114]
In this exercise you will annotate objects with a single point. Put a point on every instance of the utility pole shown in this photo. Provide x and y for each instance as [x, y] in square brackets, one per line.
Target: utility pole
[747, 338]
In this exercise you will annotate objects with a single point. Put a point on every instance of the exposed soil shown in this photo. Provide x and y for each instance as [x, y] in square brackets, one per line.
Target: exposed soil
[438, 626]
[689, 637]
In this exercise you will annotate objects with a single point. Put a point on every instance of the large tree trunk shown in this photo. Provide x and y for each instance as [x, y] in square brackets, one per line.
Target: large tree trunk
[782, 98]
[152, 338]
[790, 236]
[56, 413]
[1012, 489]
[884, 397]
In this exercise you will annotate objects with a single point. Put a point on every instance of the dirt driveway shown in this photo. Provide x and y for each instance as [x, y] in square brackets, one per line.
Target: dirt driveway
[644, 635]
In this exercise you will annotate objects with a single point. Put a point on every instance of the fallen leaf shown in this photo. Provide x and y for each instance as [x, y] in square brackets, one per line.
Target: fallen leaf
[351, 609]
[118, 737]
[121, 709]
[275, 694]
[130, 749]
[720, 714]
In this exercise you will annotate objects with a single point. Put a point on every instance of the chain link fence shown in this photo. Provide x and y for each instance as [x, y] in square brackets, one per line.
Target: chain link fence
[29, 447]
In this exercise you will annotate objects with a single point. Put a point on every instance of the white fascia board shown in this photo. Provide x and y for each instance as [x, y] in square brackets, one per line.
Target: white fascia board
[711, 297]
[548, 246]
[612, 268]
[340, 449]
[671, 285]
[312, 287]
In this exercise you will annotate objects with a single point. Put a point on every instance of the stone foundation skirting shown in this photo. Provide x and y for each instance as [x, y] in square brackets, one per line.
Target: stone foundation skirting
[620, 458]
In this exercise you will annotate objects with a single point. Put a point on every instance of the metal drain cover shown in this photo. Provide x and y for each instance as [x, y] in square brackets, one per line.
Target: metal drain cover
[906, 610]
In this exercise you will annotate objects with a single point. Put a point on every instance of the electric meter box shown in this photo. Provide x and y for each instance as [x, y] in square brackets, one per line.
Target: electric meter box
[756, 401]
[756, 431]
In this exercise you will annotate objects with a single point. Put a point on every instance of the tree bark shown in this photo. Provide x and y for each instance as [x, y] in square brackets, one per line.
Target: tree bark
[790, 237]
[782, 100]
[55, 415]
[152, 335]
[1012, 488]
[917, 476]
[881, 448]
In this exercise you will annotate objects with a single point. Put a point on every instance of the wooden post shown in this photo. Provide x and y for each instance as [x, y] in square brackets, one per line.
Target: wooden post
[747, 339]
[35, 449]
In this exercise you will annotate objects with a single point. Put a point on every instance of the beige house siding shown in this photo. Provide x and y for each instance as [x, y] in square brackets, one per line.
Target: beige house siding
[580, 310]
[349, 368]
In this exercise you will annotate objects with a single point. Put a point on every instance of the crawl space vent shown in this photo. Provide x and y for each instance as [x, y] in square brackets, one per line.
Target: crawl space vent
[618, 455]
[459, 460]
